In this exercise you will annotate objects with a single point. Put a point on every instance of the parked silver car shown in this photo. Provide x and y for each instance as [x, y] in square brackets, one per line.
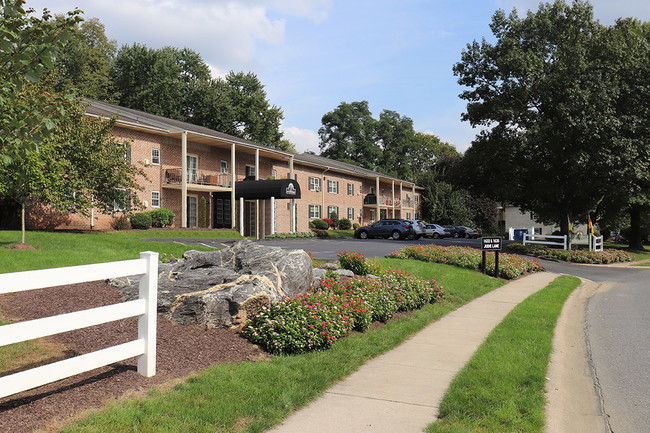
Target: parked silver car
[435, 231]
[471, 233]
[419, 229]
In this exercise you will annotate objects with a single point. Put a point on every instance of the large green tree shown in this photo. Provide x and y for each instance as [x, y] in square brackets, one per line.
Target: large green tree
[28, 46]
[80, 166]
[85, 62]
[348, 134]
[539, 91]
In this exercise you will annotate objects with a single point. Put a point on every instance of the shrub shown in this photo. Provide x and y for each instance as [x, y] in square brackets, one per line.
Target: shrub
[141, 221]
[322, 233]
[328, 221]
[312, 225]
[161, 217]
[354, 262]
[355, 226]
[335, 219]
[576, 256]
[204, 213]
[316, 320]
[320, 224]
[344, 224]
[121, 223]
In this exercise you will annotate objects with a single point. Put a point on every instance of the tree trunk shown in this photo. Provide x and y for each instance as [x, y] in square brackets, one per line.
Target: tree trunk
[22, 222]
[636, 243]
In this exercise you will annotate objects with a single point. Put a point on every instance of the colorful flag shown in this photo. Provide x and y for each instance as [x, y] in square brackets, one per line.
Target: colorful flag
[570, 225]
[591, 227]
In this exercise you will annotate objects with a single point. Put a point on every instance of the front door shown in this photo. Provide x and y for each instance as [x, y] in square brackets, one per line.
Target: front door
[250, 218]
[382, 214]
[191, 210]
[222, 211]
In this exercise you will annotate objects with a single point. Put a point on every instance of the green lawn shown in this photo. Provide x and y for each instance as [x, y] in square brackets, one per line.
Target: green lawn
[638, 255]
[501, 389]
[252, 397]
[57, 249]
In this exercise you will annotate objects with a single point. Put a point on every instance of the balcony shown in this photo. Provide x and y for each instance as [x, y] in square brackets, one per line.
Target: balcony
[371, 199]
[197, 179]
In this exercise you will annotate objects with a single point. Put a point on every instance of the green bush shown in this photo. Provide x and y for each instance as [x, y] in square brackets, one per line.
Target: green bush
[355, 226]
[320, 224]
[141, 221]
[345, 224]
[161, 217]
[312, 225]
[354, 261]
[322, 233]
[204, 213]
[121, 223]
[335, 219]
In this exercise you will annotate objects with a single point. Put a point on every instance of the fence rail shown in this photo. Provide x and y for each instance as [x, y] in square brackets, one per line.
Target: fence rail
[596, 243]
[144, 308]
[552, 240]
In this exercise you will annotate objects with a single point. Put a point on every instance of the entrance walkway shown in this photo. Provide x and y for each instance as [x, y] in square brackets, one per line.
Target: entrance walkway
[401, 390]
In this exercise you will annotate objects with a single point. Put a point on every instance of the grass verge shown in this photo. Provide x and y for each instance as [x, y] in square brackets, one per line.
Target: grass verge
[252, 397]
[502, 387]
[56, 249]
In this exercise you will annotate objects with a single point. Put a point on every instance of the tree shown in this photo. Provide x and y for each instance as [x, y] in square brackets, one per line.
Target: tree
[79, 167]
[85, 62]
[396, 138]
[428, 150]
[348, 135]
[540, 91]
[29, 46]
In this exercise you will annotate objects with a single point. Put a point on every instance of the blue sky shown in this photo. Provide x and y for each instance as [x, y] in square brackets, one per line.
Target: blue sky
[311, 55]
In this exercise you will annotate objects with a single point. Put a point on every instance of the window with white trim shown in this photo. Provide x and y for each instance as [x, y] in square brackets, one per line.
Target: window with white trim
[224, 166]
[331, 209]
[155, 156]
[314, 211]
[274, 174]
[350, 189]
[350, 213]
[250, 171]
[333, 186]
[314, 184]
[155, 198]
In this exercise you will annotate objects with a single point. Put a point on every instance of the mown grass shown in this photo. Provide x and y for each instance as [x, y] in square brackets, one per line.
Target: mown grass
[638, 255]
[501, 389]
[252, 397]
[57, 249]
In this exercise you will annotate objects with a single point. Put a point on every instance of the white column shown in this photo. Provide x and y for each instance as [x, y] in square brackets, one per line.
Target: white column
[378, 215]
[263, 226]
[272, 215]
[241, 216]
[147, 322]
[392, 198]
[414, 209]
[184, 179]
[257, 202]
[233, 179]
[292, 217]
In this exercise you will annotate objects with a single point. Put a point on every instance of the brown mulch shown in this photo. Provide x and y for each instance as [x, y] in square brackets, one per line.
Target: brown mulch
[181, 351]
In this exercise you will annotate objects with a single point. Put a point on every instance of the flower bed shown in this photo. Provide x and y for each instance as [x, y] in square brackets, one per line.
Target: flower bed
[316, 319]
[510, 265]
[576, 256]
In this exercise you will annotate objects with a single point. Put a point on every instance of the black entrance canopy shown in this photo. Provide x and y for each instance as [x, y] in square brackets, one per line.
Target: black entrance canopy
[265, 189]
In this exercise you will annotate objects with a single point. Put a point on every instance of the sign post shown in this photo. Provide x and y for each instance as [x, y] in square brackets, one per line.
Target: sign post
[492, 243]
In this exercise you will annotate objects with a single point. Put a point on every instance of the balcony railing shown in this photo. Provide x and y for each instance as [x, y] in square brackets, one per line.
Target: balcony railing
[372, 199]
[197, 177]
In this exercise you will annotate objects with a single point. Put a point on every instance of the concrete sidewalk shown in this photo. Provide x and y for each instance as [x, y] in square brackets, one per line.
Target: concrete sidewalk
[401, 390]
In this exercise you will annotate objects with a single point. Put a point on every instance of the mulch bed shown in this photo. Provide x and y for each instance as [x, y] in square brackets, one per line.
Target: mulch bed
[181, 351]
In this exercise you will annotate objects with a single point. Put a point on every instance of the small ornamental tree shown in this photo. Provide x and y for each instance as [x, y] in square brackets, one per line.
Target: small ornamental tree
[335, 219]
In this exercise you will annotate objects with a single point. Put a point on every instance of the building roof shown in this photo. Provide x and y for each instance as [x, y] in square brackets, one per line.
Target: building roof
[141, 120]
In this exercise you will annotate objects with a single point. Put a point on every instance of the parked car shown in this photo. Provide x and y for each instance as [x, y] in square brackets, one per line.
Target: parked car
[435, 231]
[471, 233]
[386, 228]
[419, 229]
[455, 232]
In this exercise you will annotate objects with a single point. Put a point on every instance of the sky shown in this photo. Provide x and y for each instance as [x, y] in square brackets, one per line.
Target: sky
[311, 55]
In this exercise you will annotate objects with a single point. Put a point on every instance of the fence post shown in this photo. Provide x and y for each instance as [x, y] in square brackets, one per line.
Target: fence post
[565, 242]
[147, 322]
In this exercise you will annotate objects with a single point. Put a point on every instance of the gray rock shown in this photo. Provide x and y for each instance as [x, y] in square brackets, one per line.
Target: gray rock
[344, 273]
[227, 287]
[329, 266]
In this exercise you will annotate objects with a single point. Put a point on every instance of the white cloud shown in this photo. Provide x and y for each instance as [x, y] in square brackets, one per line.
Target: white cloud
[216, 72]
[303, 139]
[315, 10]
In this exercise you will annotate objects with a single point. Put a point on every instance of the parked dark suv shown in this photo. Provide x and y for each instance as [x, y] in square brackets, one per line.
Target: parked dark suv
[388, 228]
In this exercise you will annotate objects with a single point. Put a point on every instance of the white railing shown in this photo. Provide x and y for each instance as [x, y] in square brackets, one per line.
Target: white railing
[596, 243]
[552, 240]
[145, 308]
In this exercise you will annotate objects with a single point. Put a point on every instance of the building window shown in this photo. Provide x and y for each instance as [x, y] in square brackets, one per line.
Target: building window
[155, 156]
[192, 168]
[314, 184]
[274, 174]
[224, 166]
[350, 213]
[331, 209]
[250, 171]
[533, 216]
[350, 189]
[333, 186]
[314, 211]
[155, 198]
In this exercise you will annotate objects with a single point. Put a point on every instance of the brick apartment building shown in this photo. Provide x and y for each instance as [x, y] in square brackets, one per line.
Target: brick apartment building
[186, 163]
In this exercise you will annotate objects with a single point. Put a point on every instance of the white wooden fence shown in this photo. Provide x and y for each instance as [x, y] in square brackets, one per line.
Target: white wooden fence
[145, 308]
[596, 243]
[552, 240]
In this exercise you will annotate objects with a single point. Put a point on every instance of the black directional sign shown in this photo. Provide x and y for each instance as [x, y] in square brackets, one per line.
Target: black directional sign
[491, 244]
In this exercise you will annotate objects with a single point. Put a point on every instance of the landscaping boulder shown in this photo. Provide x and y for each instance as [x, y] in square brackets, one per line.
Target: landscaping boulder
[225, 288]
